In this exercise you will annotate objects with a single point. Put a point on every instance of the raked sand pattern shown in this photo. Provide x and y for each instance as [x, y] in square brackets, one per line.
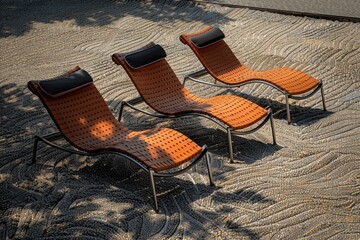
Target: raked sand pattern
[307, 187]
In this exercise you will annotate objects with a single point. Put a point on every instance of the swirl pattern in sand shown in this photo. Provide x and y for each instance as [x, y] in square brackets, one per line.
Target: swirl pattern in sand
[307, 187]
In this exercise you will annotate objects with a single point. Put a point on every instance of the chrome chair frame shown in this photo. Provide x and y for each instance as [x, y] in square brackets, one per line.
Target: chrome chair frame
[47, 139]
[228, 129]
[202, 72]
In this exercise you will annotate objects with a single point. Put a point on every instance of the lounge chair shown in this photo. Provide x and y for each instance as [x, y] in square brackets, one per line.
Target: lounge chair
[221, 63]
[159, 87]
[85, 121]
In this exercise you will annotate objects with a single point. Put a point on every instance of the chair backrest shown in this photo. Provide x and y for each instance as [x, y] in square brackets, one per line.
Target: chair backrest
[212, 51]
[78, 109]
[154, 79]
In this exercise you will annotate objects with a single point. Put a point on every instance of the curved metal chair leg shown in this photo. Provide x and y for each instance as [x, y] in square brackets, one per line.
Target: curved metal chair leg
[231, 154]
[208, 165]
[195, 168]
[33, 160]
[184, 81]
[287, 109]
[152, 183]
[121, 111]
[323, 97]
[272, 129]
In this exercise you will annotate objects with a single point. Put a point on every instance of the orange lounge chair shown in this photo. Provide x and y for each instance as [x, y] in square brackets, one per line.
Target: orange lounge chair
[221, 63]
[159, 87]
[85, 121]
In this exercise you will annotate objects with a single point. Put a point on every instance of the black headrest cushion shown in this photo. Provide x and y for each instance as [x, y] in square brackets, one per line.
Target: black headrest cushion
[208, 37]
[65, 84]
[145, 56]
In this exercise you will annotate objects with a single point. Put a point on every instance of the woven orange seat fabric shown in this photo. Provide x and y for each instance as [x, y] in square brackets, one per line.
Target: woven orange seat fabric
[160, 88]
[222, 64]
[86, 122]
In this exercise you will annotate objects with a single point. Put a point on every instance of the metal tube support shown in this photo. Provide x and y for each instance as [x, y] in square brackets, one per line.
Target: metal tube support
[121, 110]
[231, 154]
[323, 97]
[152, 183]
[272, 128]
[208, 165]
[33, 160]
[195, 168]
[184, 81]
[287, 109]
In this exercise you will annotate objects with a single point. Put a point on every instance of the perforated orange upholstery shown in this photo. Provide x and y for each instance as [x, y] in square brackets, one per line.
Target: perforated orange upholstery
[161, 89]
[222, 64]
[86, 122]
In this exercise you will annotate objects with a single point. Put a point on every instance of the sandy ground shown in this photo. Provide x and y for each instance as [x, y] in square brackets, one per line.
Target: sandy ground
[307, 187]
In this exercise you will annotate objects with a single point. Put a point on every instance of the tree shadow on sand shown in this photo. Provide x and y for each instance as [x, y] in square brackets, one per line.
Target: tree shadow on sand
[108, 199]
[17, 16]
